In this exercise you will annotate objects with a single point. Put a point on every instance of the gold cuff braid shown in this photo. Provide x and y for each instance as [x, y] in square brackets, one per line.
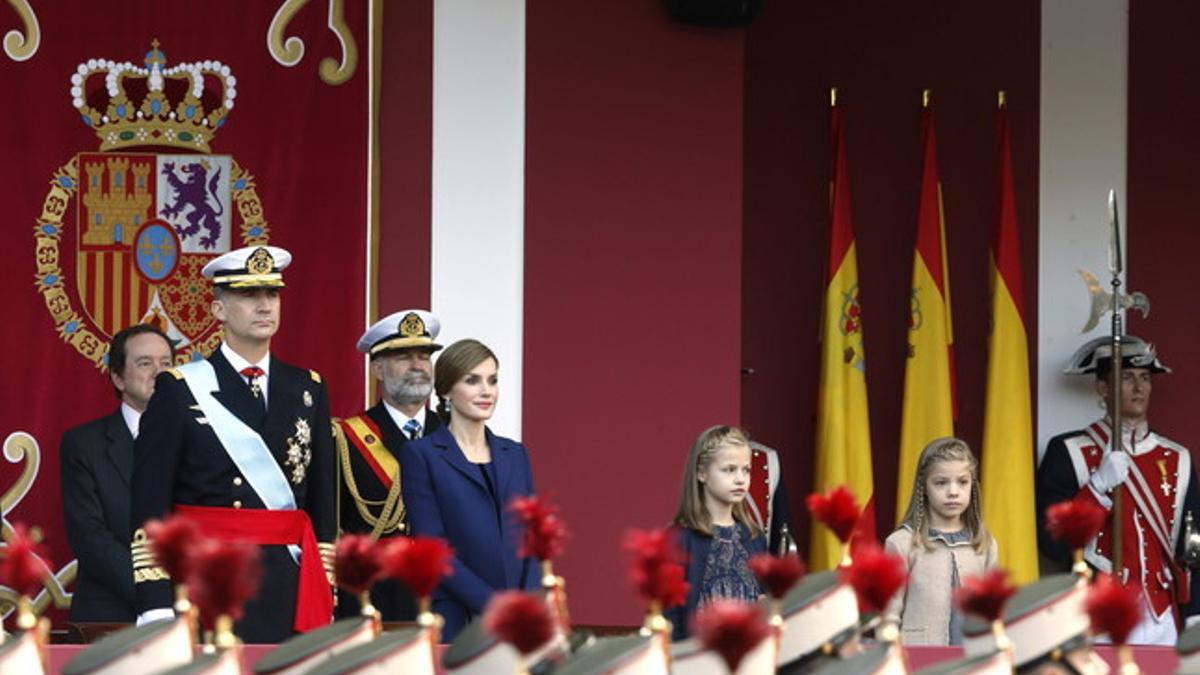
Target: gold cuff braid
[145, 566]
[328, 554]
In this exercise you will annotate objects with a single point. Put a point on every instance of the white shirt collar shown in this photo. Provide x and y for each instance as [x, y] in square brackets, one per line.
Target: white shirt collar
[401, 419]
[132, 418]
[240, 363]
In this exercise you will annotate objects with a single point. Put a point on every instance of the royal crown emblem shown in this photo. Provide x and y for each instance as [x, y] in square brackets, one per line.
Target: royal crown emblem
[146, 212]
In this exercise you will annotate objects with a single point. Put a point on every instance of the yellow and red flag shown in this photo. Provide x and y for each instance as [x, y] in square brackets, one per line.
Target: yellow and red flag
[843, 429]
[928, 410]
[1008, 464]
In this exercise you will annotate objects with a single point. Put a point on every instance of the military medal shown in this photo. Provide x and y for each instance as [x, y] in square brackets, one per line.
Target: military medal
[1165, 486]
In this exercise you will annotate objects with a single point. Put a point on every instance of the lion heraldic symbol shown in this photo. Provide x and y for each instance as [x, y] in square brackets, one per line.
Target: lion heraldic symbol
[192, 193]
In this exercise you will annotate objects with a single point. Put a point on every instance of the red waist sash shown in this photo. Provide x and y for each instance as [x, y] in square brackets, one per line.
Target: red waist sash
[314, 598]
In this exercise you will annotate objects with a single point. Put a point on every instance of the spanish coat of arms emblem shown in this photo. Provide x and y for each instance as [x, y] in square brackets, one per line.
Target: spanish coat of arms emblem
[126, 229]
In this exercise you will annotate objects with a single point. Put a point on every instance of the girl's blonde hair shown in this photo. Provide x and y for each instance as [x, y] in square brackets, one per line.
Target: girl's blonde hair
[917, 516]
[692, 513]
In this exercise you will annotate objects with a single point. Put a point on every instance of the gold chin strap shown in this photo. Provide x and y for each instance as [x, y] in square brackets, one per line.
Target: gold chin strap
[391, 514]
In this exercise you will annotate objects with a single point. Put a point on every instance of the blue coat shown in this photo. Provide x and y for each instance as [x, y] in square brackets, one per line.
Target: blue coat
[446, 496]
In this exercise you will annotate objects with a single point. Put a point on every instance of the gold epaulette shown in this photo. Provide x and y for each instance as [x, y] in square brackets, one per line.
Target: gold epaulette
[316, 377]
[175, 373]
[145, 567]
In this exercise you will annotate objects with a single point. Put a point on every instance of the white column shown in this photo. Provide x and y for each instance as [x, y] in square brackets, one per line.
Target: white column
[1082, 148]
[479, 183]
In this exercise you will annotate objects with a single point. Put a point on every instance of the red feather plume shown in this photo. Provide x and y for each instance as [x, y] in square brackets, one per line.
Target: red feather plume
[174, 541]
[1113, 608]
[777, 575]
[357, 563]
[1075, 522]
[545, 532]
[420, 562]
[225, 574]
[22, 563]
[523, 620]
[875, 575]
[731, 629]
[654, 566]
[837, 509]
[985, 595]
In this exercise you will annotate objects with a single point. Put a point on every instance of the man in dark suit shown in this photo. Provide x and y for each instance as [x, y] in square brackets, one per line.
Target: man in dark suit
[400, 347]
[242, 444]
[96, 460]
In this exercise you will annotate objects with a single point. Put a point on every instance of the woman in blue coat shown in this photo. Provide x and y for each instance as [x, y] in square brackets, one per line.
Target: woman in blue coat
[457, 483]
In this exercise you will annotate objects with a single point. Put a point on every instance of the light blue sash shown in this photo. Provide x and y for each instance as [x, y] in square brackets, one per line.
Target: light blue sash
[245, 447]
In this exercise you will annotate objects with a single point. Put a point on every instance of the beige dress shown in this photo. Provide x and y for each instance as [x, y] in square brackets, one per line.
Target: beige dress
[922, 609]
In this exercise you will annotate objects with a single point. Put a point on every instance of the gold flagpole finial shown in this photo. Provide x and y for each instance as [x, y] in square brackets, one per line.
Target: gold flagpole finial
[925, 96]
[833, 97]
[1001, 99]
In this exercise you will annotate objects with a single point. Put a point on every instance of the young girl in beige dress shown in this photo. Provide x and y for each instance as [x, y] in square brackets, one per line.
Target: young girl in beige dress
[943, 539]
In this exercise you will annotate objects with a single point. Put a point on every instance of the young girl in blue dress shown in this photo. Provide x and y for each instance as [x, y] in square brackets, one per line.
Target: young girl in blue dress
[716, 531]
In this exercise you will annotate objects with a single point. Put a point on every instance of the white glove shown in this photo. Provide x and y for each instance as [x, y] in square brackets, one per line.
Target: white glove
[157, 614]
[1112, 472]
[1191, 621]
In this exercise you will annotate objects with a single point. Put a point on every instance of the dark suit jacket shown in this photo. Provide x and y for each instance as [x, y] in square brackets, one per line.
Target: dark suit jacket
[447, 497]
[390, 597]
[96, 460]
[178, 460]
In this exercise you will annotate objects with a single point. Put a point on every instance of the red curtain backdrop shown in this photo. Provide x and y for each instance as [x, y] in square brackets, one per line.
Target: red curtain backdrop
[302, 140]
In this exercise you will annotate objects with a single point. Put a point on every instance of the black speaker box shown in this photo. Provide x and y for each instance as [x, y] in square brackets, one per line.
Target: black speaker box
[715, 13]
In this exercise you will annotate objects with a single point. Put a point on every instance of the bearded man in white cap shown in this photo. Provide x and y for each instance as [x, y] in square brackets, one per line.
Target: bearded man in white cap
[242, 443]
[400, 347]
[1155, 478]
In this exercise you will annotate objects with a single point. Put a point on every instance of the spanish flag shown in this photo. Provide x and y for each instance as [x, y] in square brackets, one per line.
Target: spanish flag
[1007, 464]
[928, 410]
[843, 430]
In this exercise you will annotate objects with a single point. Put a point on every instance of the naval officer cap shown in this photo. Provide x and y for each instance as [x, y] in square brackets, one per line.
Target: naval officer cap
[1096, 356]
[249, 267]
[406, 329]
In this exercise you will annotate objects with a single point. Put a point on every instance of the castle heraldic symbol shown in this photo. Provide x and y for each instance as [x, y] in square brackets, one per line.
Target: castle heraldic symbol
[141, 216]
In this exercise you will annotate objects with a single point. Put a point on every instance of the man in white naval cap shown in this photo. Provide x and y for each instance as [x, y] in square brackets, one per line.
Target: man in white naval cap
[400, 347]
[1154, 475]
[242, 443]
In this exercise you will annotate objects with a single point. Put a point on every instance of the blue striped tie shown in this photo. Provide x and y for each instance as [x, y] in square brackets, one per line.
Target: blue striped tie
[412, 429]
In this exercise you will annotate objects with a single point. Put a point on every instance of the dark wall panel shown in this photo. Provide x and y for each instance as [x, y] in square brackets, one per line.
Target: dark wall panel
[880, 55]
[1163, 228]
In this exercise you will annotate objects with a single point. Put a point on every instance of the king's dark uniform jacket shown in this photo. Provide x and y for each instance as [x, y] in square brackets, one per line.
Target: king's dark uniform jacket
[375, 430]
[178, 460]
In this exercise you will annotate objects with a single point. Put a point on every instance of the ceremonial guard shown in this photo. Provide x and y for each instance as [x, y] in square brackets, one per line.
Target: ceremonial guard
[1155, 479]
[400, 347]
[768, 499]
[242, 443]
